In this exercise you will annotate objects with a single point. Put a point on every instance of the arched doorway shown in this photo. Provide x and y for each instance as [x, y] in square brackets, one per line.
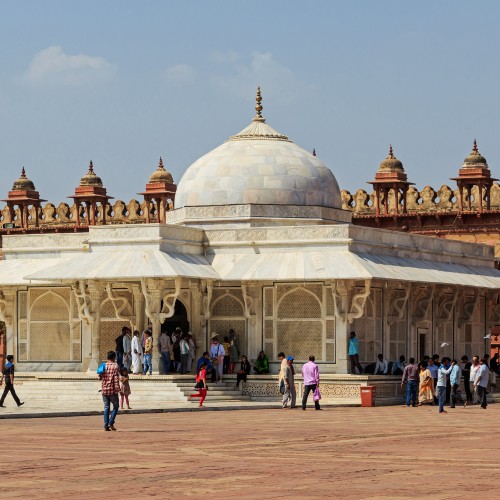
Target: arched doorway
[179, 319]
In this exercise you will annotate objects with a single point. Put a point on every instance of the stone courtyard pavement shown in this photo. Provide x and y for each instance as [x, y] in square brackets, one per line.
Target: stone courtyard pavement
[386, 452]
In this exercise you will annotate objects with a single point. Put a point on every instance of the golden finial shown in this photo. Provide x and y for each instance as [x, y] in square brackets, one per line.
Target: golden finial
[23, 173]
[91, 167]
[258, 107]
[160, 165]
[391, 154]
[474, 148]
[314, 151]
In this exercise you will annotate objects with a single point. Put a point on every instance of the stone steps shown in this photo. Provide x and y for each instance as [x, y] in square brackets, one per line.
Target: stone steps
[144, 389]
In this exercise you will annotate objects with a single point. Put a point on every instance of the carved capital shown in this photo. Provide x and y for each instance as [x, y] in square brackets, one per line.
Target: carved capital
[250, 296]
[6, 306]
[207, 289]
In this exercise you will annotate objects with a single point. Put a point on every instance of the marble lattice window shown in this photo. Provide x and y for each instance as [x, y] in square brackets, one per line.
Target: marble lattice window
[49, 329]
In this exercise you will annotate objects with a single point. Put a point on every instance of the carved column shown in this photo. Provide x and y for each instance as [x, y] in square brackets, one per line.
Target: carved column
[8, 315]
[154, 293]
[137, 322]
[95, 291]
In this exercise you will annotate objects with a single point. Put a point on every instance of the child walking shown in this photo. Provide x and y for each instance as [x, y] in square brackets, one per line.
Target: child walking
[201, 385]
[124, 388]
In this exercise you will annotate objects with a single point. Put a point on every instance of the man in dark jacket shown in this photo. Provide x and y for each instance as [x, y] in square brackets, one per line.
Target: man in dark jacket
[8, 375]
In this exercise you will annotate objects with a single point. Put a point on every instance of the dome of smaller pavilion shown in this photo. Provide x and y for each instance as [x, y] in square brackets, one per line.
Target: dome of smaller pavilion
[391, 163]
[91, 179]
[475, 159]
[23, 183]
[161, 175]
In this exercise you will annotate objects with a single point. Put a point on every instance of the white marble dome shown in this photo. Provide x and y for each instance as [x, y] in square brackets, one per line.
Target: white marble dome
[258, 166]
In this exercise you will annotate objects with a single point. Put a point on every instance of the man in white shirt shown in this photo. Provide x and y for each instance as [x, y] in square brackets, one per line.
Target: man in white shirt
[481, 382]
[136, 353]
[474, 370]
[382, 366]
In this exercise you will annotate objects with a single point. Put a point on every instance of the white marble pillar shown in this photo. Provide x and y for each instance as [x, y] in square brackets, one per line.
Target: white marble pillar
[8, 316]
[95, 291]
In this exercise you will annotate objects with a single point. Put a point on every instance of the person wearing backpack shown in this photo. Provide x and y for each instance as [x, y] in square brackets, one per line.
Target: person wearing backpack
[110, 387]
[8, 375]
[201, 384]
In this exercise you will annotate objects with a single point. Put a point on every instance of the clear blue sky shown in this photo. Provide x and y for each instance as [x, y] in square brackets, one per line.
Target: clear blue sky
[122, 82]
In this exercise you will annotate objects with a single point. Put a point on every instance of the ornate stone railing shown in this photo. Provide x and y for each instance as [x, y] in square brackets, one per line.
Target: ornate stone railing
[428, 200]
[64, 214]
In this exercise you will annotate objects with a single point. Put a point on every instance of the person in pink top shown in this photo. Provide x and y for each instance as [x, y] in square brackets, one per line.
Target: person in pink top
[310, 375]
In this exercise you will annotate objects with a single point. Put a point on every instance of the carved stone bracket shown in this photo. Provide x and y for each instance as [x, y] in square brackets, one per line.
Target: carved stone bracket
[358, 303]
[169, 300]
[250, 294]
[397, 305]
[468, 309]
[446, 308]
[340, 297]
[422, 304]
[346, 305]
[154, 293]
[119, 303]
[83, 301]
[494, 309]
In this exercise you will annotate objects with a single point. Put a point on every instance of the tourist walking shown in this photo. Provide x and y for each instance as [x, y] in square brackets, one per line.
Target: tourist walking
[310, 376]
[127, 350]
[8, 376]
[481, 382]
[148, 354]
[282, 358]
[426, 387]
[443, 372]
[110, 387]
[201, 384]
[184, 350]
[353, 352]
[124, 388]
[411, 376]
[243, 372]
[136, 353]
[164, 348]
[455, 376]
[217, 357]
[290, 395]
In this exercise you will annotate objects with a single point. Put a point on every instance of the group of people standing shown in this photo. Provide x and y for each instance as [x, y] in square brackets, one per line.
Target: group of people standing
[437, 381]
[135, 352]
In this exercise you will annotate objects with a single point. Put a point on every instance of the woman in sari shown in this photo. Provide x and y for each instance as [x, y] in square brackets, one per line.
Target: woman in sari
[426, 387]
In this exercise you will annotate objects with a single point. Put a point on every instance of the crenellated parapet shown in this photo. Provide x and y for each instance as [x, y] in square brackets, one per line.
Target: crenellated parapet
[428, 200]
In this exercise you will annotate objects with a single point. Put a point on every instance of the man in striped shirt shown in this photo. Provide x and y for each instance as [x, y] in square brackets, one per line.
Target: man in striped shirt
[110, 387]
